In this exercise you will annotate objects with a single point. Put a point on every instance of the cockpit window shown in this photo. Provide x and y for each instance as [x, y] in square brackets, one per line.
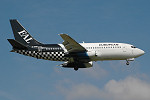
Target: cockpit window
[133, 47]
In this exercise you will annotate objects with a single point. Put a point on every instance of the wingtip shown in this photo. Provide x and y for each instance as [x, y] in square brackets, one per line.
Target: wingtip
[62, 34]
[12, 19]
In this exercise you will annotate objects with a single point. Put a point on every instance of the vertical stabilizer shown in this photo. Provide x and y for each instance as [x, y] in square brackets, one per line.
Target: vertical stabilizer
[21, 34]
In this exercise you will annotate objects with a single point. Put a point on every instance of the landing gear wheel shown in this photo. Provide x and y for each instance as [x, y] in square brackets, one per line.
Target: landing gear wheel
[127, 63]
[76, 68]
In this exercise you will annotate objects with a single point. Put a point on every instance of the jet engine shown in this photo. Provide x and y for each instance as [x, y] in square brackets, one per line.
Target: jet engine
[77, 64]
[91, 53]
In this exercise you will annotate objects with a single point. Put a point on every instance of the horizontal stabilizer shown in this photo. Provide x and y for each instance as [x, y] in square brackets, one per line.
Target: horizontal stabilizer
[16, 44]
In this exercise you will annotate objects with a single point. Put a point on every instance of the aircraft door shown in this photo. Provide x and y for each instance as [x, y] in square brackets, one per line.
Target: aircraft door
[124, 49]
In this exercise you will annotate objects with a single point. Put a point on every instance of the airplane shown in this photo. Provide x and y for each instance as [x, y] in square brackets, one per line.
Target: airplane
[73, 54]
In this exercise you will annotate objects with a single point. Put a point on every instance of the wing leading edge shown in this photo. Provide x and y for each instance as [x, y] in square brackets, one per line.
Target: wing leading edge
[71, 45]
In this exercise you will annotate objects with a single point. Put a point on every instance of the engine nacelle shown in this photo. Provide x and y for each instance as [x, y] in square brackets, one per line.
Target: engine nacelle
[78, 65]
[84, 55]
[89, 64]
[91, 53]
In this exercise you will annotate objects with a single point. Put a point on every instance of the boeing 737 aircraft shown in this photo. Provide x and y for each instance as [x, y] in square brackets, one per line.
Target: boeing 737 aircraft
[75, 55]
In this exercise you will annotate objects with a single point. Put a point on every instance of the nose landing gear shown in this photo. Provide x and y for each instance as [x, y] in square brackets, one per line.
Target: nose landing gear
[130, 59]
[127, 63]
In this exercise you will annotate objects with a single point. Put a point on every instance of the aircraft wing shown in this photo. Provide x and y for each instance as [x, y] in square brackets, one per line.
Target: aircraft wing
[71, 45]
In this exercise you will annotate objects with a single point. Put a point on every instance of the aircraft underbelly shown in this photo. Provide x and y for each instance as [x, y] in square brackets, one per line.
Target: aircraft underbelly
[113, 55]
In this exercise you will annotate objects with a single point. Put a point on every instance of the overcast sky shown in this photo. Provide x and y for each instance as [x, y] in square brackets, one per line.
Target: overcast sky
[26, 78]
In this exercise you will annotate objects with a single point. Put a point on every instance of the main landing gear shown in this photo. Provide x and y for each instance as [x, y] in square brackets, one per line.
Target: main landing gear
[130, 59]
[76, 68]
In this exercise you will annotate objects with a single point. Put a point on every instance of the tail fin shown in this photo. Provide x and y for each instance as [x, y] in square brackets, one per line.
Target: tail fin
[21, 34]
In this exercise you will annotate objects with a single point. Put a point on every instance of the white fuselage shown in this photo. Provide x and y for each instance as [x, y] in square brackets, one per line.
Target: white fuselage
[111, 51]
[76, 55]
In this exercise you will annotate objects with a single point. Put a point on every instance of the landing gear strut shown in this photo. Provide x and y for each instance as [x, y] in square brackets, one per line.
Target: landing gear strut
[127, 63]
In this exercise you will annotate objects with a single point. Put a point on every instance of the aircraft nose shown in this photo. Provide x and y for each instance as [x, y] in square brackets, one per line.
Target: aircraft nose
[141, 52]
[138, 52]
